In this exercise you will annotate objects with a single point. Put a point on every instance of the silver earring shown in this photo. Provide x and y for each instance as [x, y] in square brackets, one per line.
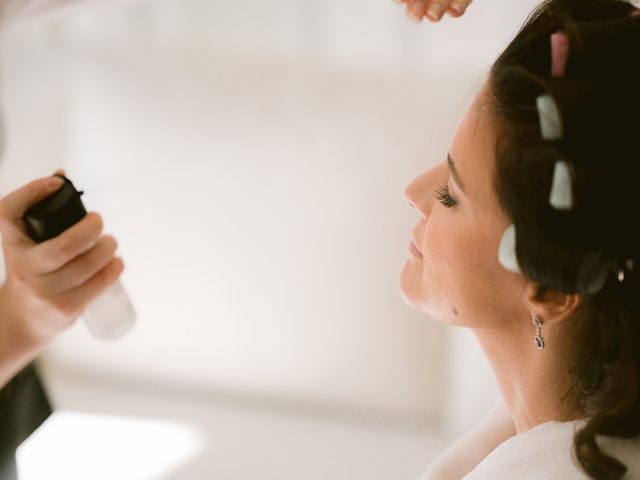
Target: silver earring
[538, 340]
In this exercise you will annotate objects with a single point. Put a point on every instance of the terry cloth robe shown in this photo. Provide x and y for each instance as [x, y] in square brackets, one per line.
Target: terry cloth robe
[493, 451]
[546, 452]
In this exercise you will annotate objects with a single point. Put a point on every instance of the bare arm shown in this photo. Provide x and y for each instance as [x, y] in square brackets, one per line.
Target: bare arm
[17, 348]
[48, 284]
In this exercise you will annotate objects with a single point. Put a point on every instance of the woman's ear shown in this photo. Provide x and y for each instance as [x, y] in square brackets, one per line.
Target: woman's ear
[551, 305]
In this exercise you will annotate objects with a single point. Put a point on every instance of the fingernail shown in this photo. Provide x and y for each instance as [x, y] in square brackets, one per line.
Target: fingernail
[435, 10]
[55, 182]
[456, 7]
[417, 11]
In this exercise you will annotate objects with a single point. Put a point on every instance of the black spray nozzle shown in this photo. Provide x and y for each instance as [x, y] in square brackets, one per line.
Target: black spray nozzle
[53, 215]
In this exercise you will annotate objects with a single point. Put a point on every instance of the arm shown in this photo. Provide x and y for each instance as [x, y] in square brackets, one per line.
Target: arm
[469, 450]
[17, 349]
[48, 284]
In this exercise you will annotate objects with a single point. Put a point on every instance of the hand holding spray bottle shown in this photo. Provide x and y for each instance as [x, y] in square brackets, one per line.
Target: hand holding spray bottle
[111, 314]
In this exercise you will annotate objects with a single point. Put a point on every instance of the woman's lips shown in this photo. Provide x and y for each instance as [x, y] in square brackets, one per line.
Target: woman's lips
[413, 248]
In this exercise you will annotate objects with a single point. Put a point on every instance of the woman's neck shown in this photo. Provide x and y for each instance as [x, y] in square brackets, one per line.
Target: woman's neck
[534, 383]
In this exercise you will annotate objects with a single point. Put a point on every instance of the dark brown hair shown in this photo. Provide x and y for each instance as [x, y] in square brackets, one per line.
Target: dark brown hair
[598, 99]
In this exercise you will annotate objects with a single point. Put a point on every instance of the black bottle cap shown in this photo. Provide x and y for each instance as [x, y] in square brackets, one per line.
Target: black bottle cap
[50, 217]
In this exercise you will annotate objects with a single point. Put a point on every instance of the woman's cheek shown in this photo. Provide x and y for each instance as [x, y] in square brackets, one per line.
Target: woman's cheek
[443, 268]
[459, 270]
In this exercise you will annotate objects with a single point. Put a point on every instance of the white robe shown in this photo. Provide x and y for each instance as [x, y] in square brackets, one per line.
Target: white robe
[544, 452]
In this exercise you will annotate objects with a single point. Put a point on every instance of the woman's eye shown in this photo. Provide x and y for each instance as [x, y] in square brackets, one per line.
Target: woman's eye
[443, 196]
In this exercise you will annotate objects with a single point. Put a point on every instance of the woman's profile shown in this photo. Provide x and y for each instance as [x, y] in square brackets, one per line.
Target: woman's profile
[527, 235]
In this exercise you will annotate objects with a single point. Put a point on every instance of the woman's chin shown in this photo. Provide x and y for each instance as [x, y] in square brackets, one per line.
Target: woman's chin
[414, 294]
[411, 285]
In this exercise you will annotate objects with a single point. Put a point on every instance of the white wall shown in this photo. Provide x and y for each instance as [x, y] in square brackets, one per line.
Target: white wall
[250, 158]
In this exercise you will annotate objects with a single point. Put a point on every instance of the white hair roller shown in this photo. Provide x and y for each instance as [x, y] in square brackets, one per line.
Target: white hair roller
[550, 123]
[507, 252]
[561, 196]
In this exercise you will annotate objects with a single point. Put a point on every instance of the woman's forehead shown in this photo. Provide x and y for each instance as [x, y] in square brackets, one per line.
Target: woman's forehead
[472, 151]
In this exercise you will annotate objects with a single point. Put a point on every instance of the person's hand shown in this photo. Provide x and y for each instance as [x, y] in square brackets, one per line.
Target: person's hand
[434, 9]
[49, 284]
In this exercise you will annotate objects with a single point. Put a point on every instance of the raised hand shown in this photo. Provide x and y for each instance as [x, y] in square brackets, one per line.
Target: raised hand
[49, 284]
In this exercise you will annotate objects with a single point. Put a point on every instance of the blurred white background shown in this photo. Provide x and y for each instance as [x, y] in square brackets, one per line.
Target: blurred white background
[250, 158]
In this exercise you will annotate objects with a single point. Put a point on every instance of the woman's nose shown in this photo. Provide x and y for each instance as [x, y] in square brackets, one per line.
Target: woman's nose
[418, 193]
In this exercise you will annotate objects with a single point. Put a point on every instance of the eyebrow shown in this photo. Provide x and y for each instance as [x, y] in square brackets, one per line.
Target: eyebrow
[454, 172]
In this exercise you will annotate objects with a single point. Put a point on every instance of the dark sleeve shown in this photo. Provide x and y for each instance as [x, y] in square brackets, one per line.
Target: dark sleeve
[24, 406]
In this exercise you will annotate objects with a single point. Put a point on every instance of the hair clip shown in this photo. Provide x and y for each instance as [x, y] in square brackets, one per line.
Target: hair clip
[507, 251]
[561, 196]
[550, 123]
[559, 53]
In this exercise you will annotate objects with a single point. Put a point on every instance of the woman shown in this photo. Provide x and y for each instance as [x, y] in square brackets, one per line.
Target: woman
[527, 236]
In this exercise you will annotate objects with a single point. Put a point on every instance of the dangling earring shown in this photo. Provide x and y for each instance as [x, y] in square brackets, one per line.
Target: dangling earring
[538, 340]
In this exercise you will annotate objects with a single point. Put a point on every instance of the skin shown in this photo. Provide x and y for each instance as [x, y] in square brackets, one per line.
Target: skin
[433, 10]
[459, 280]
[48, 285]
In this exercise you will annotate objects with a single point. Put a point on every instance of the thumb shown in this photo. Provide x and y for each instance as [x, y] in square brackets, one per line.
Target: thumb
[15, 204]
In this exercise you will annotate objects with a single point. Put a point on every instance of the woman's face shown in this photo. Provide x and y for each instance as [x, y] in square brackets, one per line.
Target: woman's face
[458, 278]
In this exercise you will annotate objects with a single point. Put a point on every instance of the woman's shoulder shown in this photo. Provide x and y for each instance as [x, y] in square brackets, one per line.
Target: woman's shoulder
[546, 451]
[470, 449]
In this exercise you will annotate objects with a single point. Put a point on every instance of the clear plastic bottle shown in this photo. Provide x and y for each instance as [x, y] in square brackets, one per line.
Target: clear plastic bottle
[111, 314]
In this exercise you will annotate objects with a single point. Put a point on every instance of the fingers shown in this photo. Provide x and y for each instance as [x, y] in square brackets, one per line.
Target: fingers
[15, 204]
[416, 9]
[74, 302]
[433, 10]
[78, 271]
[53, 254]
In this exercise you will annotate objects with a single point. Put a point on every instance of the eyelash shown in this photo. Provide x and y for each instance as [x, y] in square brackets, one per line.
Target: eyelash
[444, 197]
